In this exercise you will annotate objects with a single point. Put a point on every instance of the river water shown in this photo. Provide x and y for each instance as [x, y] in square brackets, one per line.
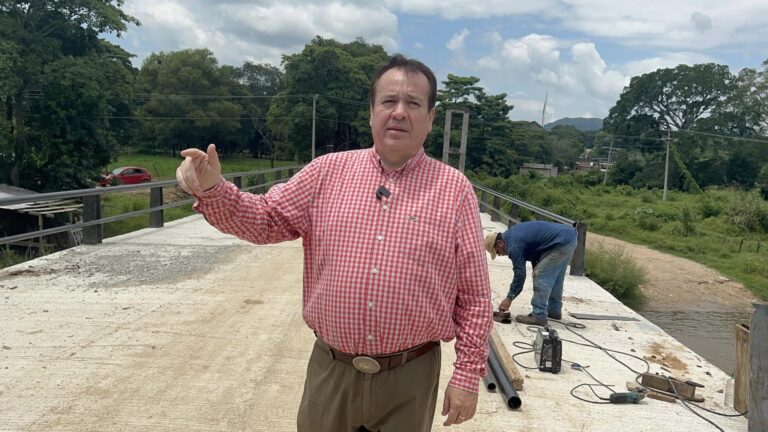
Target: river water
[709, 334]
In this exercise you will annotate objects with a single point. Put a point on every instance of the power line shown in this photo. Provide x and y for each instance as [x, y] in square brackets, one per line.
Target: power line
[763, 141]
[194, 118]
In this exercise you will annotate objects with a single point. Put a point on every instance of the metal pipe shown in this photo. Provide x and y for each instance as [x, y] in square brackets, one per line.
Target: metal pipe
[489, 381]
[503, 381]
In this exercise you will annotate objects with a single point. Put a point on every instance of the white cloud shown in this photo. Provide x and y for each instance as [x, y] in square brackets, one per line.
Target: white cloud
[260, 31]
[665, 60]
[671, 25]
[454, 9]
[457, 41]
[575, 75]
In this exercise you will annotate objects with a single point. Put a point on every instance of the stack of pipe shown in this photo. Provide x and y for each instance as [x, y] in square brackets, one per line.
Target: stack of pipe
[497, 378]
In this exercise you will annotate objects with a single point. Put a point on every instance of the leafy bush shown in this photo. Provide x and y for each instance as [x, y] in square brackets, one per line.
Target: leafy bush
[748, 211]
[617, 272]
[709, 206]
[646, 219]
[648, 197]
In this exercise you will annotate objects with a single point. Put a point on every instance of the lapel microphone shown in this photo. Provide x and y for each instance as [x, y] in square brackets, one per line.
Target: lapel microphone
[382, 192]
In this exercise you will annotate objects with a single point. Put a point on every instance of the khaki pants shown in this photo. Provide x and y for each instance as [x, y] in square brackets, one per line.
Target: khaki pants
[339, 398]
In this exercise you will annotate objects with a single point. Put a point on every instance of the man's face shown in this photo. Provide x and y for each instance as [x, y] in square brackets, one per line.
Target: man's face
[400, 117]
[499, 246]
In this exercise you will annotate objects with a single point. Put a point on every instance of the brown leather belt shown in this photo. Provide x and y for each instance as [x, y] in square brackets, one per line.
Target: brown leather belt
[373, 364]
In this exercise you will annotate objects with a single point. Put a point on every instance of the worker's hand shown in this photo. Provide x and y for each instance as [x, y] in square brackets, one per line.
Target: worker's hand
[199, 171]
[459, 405]
[504, 305]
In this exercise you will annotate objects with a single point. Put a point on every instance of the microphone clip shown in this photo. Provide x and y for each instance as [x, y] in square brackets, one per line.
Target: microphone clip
[382, 191]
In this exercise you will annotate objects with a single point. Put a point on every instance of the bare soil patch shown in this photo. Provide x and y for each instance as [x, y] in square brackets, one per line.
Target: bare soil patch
[679, 284]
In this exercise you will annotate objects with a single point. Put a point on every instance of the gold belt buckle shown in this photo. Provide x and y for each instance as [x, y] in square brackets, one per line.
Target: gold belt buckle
[366, 364]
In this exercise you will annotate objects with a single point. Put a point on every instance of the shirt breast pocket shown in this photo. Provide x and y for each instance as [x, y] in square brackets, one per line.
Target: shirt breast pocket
[425, 242]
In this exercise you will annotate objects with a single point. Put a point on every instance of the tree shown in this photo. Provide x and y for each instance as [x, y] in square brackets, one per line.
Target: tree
[262, 82]
[191, 101]
[671, 98]
[340, 74]
[51, 56]
[489, 148]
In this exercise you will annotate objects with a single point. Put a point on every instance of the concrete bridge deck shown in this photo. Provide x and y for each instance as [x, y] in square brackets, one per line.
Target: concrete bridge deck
[186, 329]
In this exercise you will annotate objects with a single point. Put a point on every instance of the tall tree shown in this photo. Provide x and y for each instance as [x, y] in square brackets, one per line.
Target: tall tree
[263, 81]
[489, 148]
[51, 55]
[672, 98]
[191, 101]
[340, 74]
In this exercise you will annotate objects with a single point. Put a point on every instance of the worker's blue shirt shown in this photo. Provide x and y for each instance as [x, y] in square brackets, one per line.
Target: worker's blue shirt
[528, 241]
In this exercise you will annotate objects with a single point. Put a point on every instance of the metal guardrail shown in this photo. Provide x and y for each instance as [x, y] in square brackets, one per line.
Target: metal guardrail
[91, 198]
[92, 220]
[497, 214]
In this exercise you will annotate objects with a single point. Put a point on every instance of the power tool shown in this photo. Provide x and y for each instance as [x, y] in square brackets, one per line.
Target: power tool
[627, 397]
[547, 350]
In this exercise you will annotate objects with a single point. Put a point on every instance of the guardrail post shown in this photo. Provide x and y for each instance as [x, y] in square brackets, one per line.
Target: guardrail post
[513, 212]
[238, 181]
[93, 234]
[577, 261]
[156, 200]
[290, 172]
[496, 206]
[758, 363]
[260, 180]
[278, 176]
[483, 198]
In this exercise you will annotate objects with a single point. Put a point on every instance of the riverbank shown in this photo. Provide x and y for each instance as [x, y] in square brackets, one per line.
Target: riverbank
[679, 284]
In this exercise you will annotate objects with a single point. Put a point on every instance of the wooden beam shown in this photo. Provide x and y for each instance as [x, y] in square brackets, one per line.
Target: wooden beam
[506, 360]
[741, 369]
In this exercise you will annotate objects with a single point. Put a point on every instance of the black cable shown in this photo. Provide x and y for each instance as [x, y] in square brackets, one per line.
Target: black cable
[685, 404]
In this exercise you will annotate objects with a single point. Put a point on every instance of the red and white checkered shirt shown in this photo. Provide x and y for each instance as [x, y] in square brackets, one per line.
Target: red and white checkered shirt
[381, 274]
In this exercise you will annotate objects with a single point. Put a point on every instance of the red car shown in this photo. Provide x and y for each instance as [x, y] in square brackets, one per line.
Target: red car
[125, 175]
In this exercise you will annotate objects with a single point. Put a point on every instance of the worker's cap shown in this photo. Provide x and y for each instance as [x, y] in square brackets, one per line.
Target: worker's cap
[490, 240]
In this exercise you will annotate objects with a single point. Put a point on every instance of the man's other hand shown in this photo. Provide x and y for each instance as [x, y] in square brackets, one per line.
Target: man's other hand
[504, 305]
[199, 171]
[459, 405]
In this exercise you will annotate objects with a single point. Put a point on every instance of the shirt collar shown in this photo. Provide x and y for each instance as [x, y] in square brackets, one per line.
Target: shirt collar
[410, 165]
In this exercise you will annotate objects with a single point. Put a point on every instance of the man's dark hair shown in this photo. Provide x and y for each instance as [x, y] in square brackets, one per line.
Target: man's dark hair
[411, 66]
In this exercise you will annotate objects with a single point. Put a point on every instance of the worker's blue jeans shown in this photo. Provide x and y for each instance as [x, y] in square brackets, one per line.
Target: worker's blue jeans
[548, 277]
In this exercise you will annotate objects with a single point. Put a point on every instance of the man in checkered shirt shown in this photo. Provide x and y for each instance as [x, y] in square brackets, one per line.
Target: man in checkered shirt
[393, 264]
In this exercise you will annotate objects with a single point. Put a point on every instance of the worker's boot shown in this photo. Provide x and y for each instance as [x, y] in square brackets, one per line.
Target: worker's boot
[555, 316]
[530, 319]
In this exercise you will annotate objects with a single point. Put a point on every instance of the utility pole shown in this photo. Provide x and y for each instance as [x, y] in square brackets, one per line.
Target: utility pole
[666, 166]
[314, 119]
[608, 164]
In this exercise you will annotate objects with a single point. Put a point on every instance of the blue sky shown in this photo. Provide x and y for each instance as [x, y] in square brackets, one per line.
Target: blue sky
[581, 52]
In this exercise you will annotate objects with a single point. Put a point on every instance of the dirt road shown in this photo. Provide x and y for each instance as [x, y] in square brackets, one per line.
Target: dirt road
[680, 284]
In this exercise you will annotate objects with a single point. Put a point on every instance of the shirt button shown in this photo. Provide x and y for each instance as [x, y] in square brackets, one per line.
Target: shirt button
[370, 337]
[379, 237]
[374, 270]
[385, 206]
[370, 305]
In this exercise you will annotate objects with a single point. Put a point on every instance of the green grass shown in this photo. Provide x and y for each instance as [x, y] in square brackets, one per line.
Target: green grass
[724, 229]
[164, 168]
[617, 272]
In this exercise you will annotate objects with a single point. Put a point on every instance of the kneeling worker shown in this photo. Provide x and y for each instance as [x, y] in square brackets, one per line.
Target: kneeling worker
[549, 247]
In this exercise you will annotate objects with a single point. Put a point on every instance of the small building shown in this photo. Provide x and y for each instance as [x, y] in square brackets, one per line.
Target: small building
[544, 170]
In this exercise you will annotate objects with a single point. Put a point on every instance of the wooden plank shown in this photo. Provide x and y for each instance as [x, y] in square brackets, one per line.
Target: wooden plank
[659, 382]
[506, 360]
[742, 370]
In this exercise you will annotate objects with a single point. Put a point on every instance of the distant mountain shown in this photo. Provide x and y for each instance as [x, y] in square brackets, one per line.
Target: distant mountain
[581, 123]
